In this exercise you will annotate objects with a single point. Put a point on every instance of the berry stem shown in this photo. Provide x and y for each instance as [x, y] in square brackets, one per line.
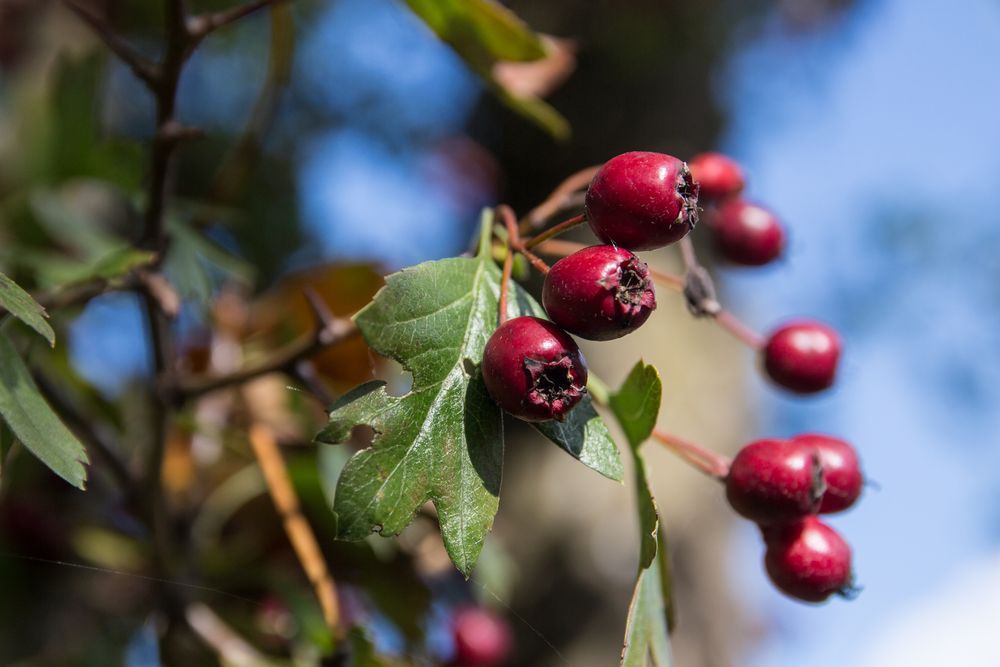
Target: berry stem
[558, 200]
[514, 238]
[508, 265]
[556, 230]
[674, 282]
[710, 463]
[737, 328]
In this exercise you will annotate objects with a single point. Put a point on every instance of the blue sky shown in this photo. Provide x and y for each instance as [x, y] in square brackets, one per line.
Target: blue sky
[877, 140]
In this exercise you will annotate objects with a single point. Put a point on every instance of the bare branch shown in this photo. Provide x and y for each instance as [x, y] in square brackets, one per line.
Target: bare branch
[202, 25]
[146, 70]
[332, 330]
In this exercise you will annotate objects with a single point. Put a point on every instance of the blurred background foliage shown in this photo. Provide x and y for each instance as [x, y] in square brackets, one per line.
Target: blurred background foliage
[343, 140]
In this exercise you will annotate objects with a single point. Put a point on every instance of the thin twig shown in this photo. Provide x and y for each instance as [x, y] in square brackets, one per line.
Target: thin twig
[202, 25]
[556, 230]
[332, 330]
[705, 460]
[558, 200]
[224, 640]
[146, 70]
[300, 534]
[514, 239]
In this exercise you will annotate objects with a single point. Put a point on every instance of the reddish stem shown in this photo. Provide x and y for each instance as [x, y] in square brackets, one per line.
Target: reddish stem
[514, 238]
[556, 230]
[710, 463]
[730, 323]
[558, 199]
[508, 265]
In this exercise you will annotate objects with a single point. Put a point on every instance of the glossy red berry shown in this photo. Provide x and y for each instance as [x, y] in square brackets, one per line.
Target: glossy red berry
[534, 370]
[773, 481]
[719, 176]
[599, 293]
[841, 471]
[802, 356]
[808, 560]
[746, 233]
[642, 201]
[482, 639]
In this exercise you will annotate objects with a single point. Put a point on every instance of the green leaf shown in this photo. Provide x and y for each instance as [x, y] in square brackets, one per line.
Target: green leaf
[636, 406]
[34, 423]
[442, 441]
[195, 265]
[19, 303]
[584, 436]
[362, 651]
[484, 32]
[119, 262]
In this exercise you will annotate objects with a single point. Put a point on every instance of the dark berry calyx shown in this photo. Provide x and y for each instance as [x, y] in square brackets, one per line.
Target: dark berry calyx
[599, 293]
[688, 191]
[554, 387]
[631, 287]
[533, 369]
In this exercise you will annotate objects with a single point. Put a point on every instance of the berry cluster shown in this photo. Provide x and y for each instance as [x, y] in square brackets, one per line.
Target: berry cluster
[782, 485]
[643, 201]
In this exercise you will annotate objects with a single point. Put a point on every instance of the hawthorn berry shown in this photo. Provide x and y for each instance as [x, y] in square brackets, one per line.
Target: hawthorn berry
[534, 370]
[746, 233]
[802, 356]
[771, 481]
[642, 201]
[718, 176]
[599, 293]
[808, 560]
[841, 471]
[481, 638]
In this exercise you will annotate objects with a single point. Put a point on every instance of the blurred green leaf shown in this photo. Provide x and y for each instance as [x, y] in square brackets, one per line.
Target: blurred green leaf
[77, 144]
[196, 265]
[69, 226]
[636, 406]
[484, 32]
[361, 650]
[34, 423]
[19, 303]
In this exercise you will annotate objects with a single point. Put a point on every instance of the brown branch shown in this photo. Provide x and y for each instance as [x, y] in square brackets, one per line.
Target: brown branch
[331, 332]
[146, 70]
[558, 200]
[300, 534]
[202, 25]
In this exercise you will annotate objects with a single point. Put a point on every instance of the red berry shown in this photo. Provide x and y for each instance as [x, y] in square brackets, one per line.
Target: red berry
[642, 201]
[773, 481]
[534, 370]
[746, 233]
[599, 293]
[719, 176]
[808, 560]
[482, 639]
[841, 471]
[802, 356]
